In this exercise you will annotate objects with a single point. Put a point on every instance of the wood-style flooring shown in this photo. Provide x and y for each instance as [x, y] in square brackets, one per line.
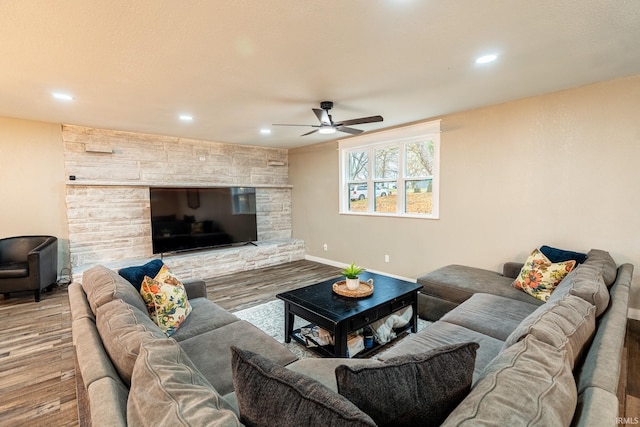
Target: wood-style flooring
[37, 378]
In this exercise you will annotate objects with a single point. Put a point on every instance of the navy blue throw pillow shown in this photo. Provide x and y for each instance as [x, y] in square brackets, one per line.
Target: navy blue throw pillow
[560, 255]
[135, 275]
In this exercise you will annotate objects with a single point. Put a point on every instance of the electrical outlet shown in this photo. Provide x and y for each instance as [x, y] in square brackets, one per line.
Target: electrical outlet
[386, 258]
[325, 247]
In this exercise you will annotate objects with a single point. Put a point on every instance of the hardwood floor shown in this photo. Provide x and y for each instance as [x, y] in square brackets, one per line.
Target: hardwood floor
[37, 377]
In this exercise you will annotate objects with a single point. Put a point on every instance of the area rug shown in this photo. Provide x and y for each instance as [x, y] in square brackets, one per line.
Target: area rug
[269, 317]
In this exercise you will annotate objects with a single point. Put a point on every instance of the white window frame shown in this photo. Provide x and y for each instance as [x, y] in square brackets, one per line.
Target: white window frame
[393, 137]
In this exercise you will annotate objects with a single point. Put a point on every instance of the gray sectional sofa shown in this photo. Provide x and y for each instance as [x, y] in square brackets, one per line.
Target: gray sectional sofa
[553, 363]
[547, 364]
[110, 324]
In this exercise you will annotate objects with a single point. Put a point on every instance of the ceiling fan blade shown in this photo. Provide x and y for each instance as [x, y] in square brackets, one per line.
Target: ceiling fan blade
[352, 131]
[322, 115]
[371, 119]
[309, 133]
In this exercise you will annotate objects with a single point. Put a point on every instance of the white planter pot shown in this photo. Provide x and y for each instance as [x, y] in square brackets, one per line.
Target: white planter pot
[353, 284]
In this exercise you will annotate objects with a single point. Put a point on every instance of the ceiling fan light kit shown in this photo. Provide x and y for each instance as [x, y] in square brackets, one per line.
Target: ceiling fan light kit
[328, 126]
[326, 130]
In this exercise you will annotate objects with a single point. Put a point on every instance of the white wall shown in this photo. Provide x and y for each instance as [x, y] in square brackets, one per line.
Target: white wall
[560, 169]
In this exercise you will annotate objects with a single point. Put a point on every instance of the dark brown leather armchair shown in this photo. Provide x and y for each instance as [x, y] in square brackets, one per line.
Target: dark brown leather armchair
[28, 263]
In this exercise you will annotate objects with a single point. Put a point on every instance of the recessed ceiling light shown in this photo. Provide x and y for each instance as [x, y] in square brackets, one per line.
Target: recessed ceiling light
[62, 96]
[486, 58]
[186, 118]
[265, 131]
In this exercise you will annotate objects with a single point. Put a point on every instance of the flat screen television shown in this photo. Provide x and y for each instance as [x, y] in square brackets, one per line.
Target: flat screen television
[184, 219]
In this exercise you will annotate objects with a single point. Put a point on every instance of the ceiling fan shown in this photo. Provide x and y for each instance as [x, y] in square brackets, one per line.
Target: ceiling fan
[327, 125]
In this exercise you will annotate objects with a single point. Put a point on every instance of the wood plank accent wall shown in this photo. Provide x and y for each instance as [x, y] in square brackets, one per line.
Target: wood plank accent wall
[108, 200]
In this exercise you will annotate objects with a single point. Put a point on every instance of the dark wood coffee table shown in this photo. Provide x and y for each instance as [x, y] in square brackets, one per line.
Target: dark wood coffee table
[340, 315]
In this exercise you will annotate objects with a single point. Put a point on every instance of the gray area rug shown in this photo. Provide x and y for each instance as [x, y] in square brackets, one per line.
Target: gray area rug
[269, 317]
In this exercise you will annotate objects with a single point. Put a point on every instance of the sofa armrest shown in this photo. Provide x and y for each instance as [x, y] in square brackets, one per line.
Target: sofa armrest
[512, 269]
[195, 288]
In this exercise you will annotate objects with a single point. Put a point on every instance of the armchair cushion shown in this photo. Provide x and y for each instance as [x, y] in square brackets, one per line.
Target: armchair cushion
[14, 269]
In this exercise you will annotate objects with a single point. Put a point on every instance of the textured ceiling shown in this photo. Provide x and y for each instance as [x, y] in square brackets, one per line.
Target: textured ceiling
[239, 66]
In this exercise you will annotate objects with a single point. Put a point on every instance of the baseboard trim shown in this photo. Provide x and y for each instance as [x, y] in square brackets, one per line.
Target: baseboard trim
[342, 264]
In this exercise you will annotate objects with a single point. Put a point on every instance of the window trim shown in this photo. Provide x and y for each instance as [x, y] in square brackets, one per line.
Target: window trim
[400, 137]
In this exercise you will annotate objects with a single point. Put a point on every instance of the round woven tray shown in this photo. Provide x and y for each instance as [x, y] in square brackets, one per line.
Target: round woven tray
[364, 290]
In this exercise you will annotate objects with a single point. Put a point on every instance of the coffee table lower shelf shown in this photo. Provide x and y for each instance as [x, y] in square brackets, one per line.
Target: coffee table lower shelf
[328, 350]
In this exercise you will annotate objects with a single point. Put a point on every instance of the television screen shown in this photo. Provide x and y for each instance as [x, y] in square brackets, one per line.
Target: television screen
[195, 218]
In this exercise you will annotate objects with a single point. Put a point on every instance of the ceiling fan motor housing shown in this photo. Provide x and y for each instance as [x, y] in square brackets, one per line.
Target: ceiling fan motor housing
[326, 105]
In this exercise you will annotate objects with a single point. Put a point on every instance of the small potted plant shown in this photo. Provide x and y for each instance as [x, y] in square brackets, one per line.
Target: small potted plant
[351, 272]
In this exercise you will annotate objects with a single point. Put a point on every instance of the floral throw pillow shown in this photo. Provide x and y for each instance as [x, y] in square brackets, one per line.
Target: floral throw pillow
[166, 300]
[539, 276]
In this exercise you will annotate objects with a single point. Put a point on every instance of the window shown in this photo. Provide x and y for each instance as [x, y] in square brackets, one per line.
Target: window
[399, 166]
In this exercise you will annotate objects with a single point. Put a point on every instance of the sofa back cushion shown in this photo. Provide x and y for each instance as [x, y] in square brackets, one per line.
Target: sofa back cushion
[122, 329]
[586, 282]
[603, 259]
[168, 390]
[103, 285]
[566, 324]
[529, 383]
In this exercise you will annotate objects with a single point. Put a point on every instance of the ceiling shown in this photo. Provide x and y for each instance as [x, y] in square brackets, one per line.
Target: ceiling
[239, 66]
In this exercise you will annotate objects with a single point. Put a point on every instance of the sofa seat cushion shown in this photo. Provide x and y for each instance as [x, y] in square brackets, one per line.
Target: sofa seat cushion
[103, 285]
[268, 394]
[419, 389]
[122, 329]
[12, 270]
[323, 370]
[530, 383]
[205, 316]
[457, 283]
[491, 315]
[441, 334]
[210, 351]
[167, 390]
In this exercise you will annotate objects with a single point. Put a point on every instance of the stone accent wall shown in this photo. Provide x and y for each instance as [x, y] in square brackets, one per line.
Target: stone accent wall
[108, 201]
[108, 223]
[212, 263]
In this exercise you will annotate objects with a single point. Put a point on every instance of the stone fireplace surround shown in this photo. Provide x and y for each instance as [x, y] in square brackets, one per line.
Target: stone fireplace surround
[108, 210]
